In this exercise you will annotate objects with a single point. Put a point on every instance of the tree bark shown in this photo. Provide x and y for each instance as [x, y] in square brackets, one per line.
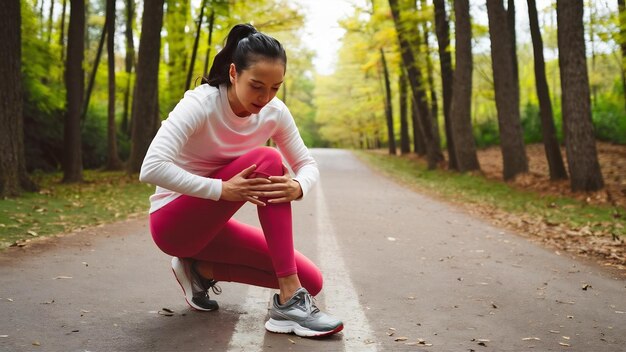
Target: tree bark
[50, 20]
[205, 72]
[145, 110]
[622, 43]
[580, 145]
[388, 107]
[405, 141]
[461, 106]
[13, 177]
[506, 92]
[510, 15]
[442, 29]
[113, 160]
[129, 63]
[62, 36]
[94, 69]
[434, 106]
[548, 130]
[418, 136]
[433, 151]
[75, 86]
[195, 45]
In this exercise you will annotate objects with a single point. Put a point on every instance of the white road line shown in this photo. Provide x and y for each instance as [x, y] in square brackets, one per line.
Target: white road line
[250, 330]
[340, 295]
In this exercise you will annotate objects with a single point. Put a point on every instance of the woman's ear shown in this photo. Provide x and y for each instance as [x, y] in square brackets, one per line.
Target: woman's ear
[232, 73]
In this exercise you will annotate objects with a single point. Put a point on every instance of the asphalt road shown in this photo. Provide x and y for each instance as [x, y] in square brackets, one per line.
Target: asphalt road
[404, 272]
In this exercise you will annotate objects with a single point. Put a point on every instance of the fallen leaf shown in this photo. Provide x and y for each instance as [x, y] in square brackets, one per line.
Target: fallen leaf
[48, 302]
[565, 337]
[4, 335]
[564, 344]
[531, 338]
[392, 239]
[62, 277]
[32, 233]
[36, 343]
[619, 312]
[166, 312]
[586, 286]
[292, 341]
[555, 331]
[402, 338]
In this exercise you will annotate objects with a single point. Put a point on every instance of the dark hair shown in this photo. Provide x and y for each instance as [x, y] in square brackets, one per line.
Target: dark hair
[244, 47]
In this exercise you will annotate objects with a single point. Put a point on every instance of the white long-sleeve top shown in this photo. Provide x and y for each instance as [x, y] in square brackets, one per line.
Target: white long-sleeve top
[202, 134]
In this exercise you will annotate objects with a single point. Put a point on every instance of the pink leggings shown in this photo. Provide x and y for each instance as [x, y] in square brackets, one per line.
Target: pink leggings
[203, 229]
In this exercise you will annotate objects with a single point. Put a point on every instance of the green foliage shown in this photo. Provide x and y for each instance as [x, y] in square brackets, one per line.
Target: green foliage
[531, 124]
[486, 133]
[44, 96]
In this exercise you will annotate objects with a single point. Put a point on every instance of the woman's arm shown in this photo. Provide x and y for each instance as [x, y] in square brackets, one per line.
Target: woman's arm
[159, 168]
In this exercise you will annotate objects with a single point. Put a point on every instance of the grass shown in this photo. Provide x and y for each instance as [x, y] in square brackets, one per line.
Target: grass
[474, 190]
[104, 197]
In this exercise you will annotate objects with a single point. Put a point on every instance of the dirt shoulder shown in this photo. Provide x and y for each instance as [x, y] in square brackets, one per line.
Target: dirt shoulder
[602, 248]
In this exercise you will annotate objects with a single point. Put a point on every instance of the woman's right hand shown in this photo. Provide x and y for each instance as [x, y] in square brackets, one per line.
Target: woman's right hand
[239, 187]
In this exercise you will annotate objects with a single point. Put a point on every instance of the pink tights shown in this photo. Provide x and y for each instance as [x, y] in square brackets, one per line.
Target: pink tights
[203, 229]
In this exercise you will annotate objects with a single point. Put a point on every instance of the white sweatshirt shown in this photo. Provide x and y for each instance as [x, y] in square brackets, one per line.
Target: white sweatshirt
[202, 134]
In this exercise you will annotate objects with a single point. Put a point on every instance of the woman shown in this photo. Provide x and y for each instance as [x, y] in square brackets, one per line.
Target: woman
[207, 160]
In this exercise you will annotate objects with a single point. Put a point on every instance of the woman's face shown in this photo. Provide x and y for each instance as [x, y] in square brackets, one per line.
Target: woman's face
[253, 88]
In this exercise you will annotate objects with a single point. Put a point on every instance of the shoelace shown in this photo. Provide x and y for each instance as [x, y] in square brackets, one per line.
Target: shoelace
[212, 285]
[206, 284]
[309, 303]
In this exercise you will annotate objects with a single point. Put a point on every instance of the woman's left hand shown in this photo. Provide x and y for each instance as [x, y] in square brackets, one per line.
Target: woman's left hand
[282, 189]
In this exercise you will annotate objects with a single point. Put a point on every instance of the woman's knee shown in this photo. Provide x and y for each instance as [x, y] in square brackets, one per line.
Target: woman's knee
[269, 162]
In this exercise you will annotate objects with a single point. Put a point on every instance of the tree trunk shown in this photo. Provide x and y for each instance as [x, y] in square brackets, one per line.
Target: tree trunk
[113, 161]
[548, 130]
[94, 69]
[506, 92]
[405, 141]
[145, 101]
[510, 16]
[418, 136]
[50, 20]
[195, 45]
[13, 177]
[461, 106]
[622, 43]
[129, 63]
[434, 106]
[388, 107]
[442, 28]
[433, 151]
[62, 36]
[75, 86]
[208, 50]
[580, 145]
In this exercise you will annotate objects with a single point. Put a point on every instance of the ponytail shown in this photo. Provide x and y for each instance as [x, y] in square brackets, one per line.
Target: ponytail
[244, 46]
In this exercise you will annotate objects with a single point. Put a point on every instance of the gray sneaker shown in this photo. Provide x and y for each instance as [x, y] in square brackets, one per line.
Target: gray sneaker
[300, 316]
[195, 287]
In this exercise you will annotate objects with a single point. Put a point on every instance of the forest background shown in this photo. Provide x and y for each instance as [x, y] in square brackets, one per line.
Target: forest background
[89, 101]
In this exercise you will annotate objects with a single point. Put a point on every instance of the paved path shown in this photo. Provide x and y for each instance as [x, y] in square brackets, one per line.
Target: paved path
[398, 266]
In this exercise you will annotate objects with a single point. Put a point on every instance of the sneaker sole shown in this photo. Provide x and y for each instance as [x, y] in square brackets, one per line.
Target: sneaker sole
[179, 272]
[288, 326]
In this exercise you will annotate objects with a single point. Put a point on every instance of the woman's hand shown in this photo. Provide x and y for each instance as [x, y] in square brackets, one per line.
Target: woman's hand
[240, 188]
[282, 189]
